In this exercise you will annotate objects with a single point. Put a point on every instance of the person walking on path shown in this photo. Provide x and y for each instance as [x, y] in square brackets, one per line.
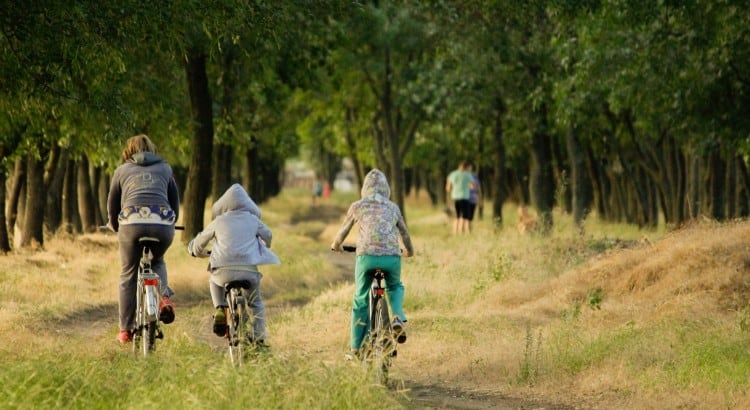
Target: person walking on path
[458, 185]
[475, 196]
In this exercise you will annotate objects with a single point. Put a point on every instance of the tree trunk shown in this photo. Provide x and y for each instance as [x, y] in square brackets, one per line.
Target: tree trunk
[53, 211]
[352, 145]
[86, 207]
[18, 182]
[542, 178]
[222, 160]
[199, 174]
[102, 191]
[580, 183]
[32, 234]
[251, 176]
[695, 188]
[498, 164]
[71, 222]
[731, 188]
[717, 178]
[221, 170]
[4, 237]
[743, 208]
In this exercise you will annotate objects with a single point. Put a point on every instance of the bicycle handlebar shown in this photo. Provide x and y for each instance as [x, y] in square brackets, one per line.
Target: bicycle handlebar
[107, 228]
[353, 248]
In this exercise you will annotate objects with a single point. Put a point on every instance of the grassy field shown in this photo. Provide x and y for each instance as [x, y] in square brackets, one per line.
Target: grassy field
[615, 318]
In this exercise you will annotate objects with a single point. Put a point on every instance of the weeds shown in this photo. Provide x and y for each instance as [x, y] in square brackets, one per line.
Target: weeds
[744, 319]
[529, 370]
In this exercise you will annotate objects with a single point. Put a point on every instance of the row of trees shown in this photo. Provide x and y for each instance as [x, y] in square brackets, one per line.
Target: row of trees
[634, 110]
[630, 109]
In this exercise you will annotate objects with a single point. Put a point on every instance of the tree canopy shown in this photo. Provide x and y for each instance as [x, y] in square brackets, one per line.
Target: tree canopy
[630, 110]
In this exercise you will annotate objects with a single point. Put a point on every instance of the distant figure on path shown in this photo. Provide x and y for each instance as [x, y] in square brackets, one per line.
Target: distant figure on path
[458, 185]
[475, 195]
[317, 190]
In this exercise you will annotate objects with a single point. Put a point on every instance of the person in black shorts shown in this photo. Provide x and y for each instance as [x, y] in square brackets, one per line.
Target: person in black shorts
[458, 185]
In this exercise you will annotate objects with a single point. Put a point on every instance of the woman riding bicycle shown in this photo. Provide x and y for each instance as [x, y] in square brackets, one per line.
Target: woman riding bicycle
[143, 201]
[380, 223]
[240, 242]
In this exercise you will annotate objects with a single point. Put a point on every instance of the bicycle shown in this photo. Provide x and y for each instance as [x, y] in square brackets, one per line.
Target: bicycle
[148, 297]
[379, 346]
[240, 334]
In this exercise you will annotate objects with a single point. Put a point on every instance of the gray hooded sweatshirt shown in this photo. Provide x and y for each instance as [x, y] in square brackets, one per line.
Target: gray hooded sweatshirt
[144, 180]
[235, 231]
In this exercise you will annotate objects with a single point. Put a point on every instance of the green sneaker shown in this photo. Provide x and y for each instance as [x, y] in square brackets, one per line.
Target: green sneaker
[220, 322]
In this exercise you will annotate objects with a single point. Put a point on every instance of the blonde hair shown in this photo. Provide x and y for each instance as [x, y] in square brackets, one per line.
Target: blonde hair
[136, 144]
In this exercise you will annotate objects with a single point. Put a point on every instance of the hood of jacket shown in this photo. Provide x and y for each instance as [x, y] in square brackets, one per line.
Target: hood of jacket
[375, 186]
[145, 158]
[235, 199]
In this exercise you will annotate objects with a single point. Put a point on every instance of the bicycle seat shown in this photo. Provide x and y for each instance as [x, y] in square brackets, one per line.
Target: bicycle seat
[148, 240]
[237, 284]
[374, 271]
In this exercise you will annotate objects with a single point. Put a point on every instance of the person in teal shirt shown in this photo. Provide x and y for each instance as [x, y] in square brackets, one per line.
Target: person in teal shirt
[459, 185]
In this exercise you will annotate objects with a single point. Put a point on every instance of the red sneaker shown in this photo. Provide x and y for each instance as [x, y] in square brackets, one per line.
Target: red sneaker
[166, 310]
[124, 336]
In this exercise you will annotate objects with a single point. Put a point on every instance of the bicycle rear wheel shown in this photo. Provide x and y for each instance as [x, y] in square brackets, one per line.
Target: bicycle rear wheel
[140, 319]
[381, 341]
[149, 337]
[237, 332]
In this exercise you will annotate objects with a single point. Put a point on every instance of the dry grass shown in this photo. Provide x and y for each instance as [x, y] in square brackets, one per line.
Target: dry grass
[615, 318]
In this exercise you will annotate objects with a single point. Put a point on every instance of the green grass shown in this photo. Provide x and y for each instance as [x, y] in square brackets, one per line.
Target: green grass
[493, 310]
[184, 375]
[676, 354]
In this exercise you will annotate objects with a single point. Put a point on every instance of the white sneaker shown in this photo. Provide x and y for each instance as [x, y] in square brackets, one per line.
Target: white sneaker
[399, 329]
[352, 355]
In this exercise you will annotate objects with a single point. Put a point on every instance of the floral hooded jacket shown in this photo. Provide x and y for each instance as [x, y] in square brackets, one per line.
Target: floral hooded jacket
[380, 220]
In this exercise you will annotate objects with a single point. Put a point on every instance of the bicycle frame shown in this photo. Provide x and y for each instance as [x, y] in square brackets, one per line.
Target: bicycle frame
[147, 328]
[380, 346]
[238, 320]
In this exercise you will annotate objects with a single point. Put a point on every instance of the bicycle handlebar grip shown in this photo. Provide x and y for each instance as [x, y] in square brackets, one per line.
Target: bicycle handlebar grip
[349, 248]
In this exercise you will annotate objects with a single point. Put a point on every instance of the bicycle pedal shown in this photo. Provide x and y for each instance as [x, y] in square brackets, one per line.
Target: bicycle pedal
[159, 334]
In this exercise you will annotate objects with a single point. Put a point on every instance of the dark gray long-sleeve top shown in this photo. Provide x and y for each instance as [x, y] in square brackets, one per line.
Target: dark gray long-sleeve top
[146, 179]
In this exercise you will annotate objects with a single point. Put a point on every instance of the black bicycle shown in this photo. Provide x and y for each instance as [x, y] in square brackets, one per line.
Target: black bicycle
[379, 346]
[240, 335]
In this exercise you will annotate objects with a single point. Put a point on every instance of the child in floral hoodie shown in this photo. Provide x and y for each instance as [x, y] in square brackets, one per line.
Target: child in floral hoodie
[380, 223]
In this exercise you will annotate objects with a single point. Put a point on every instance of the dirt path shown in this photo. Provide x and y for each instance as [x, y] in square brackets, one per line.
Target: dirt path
[420, 396]
[97, 321]
[437, 397]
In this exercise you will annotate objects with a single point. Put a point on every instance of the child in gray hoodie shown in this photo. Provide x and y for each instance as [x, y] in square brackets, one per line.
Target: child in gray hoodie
[239, 242]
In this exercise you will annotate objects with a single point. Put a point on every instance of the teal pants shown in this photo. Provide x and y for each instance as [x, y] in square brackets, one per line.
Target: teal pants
[394, 291]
